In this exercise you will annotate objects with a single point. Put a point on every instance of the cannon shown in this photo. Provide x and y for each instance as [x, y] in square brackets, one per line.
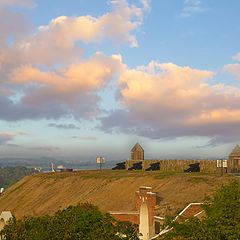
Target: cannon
[194, 167]
[119, 166]
[154, 167]
[136, 166]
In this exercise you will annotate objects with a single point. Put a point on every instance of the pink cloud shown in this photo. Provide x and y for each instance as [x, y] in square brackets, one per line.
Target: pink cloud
[169, 101]
[70, 87]
[84, 76]
[233, 69]
[56, 42]
[6, 137]
[71, 90]
[116, 25]
[23, 3]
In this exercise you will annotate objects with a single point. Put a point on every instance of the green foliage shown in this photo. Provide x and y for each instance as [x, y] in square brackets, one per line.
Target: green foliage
[222, 221]
[83, 222]
[10, 175]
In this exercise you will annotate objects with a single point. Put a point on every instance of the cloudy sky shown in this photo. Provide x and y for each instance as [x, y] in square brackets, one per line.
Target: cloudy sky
[80, 78]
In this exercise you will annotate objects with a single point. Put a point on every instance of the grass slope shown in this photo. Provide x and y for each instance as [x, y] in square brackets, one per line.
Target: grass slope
[109, 190]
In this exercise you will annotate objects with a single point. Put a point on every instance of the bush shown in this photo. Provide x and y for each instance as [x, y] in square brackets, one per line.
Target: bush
[83, 221]
[222, 221]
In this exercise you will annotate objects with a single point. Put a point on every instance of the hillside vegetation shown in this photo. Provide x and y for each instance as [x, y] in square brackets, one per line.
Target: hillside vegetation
[81, 222]
[109, 190]
[221, 221]
[10, 175]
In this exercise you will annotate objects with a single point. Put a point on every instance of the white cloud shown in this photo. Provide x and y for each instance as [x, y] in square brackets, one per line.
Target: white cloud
[237, 57]
[146, 4]
[191, 7]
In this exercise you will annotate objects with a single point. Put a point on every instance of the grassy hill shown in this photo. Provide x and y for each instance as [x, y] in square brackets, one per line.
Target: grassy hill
[109, 190]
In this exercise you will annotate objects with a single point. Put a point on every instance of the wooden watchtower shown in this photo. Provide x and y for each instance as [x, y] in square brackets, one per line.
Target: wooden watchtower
[137, 152]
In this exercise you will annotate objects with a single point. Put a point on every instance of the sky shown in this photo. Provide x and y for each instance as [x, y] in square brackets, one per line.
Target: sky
[87, 78]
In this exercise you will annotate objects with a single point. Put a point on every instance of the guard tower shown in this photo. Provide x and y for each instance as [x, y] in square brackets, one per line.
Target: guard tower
[137, 152]
[233, 165]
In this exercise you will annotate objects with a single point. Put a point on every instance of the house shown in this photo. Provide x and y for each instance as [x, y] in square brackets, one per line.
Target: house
[191, 210]
[144, 215]
[5, 216]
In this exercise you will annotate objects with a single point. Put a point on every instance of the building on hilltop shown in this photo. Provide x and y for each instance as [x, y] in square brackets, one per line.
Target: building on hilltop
[138, 162]
[233, 165]
[137, 152]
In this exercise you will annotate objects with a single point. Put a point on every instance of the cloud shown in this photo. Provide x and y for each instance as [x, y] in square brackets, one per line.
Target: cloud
[146, 4]
[14, 25]
[13, 145]
[237, 57]
[233, 69]
[6, 137]
[162, 101]
[69, 91]
[85, 138]
[22, 3]
[88, 138]
[45, 149]
[57, 41]
[42, 73]
[116, 25]
[64, 126]
[191, 7]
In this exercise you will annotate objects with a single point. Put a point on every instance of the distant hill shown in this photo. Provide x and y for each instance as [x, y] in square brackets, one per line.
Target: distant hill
[28, 162]
[45, 162]
[109, 190]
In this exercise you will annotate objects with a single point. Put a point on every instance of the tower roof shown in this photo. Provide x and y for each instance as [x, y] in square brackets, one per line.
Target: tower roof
[137, 147]
[235, 151]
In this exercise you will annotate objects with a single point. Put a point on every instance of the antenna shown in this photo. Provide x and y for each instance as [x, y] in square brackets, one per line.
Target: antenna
[52, 169]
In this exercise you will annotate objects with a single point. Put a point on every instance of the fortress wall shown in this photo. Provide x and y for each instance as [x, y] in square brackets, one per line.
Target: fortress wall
[176, 165]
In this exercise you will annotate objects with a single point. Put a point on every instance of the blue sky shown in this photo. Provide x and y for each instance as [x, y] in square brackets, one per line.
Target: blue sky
[82, 78]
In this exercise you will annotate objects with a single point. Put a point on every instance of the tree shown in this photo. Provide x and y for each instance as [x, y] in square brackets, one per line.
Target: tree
[10, 175]
[222, 221]
[83, 221]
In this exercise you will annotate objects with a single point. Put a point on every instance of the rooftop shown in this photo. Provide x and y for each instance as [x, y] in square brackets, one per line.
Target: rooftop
[137, 147]
[235, 151]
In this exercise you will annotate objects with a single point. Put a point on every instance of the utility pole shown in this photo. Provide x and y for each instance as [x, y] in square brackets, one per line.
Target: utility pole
[221, 166]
